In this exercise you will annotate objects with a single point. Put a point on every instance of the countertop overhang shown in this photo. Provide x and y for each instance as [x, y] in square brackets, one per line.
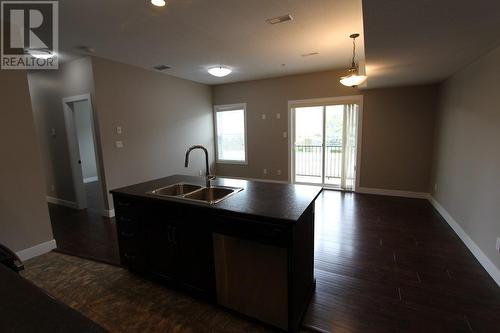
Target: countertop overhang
[258, 198]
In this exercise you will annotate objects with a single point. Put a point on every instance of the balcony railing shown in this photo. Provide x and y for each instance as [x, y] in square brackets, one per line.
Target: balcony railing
[309, 161]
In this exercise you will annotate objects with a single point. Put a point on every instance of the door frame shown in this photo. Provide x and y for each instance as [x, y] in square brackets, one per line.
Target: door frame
[74, 150]
[356, 99]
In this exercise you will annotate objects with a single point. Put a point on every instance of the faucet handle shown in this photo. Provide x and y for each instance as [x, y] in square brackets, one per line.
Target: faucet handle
[211, 177]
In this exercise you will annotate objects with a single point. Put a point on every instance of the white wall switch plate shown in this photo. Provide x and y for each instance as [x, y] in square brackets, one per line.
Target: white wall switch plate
[278, 172]
[264, 171]
[119, 144]
[52, 188]
[285, 134]
[200, 172]
[118, 130]
[498, 244]
[278, 115]
[263, 116]
[53, 132]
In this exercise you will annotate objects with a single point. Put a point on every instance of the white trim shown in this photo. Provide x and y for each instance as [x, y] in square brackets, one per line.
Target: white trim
[90, 179]
[36, 250]
[230, 107]
[393, 193]
[488, 265]
[256, 179]
[109, 213]
[57, 201]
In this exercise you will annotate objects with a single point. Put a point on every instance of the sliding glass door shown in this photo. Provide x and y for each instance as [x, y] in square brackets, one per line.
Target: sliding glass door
[324, 144]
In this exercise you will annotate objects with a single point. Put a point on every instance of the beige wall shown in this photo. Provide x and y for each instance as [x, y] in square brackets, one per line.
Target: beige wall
[397, 128]
[398, 133]
[161, 117]
[47, 89]
[467, 159]
[24, 218]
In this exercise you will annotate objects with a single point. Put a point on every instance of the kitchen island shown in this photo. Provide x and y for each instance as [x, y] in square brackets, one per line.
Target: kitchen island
[252, 252]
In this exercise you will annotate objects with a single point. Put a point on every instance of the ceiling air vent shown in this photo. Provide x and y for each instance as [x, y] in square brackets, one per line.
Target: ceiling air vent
[280, 19]
[162, 67]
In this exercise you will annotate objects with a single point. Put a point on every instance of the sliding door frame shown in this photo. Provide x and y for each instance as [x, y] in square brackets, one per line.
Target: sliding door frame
[354, 99]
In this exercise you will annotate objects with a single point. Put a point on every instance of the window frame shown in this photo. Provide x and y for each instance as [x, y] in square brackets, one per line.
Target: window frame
[224, 108]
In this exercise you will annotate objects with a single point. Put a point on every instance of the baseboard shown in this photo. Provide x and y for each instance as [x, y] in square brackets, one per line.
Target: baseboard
[57, 201]
[492, 270]
[109, 213]
[90, 180]
[257, 179]
[393, 193]
[37, 250]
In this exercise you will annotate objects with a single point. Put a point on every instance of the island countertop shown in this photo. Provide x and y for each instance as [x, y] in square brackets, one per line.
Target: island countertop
[258, 198]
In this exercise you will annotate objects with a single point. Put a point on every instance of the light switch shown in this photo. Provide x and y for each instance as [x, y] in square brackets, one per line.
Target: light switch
[264, 171]
[119, 144]
[278, 115]
[285, 134]
[118, 130]
[278, 172]
[263, 116]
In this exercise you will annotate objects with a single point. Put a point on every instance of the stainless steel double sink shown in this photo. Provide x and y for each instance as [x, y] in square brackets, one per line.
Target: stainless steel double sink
[211, 195]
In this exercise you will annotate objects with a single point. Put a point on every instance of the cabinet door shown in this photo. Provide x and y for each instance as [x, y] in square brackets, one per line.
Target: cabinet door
[195, 254]
[162, 247]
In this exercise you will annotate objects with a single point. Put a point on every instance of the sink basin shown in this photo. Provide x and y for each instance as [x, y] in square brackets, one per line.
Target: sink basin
[176, 190]
[212, 195]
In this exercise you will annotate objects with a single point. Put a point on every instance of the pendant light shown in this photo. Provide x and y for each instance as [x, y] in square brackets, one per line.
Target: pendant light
[353, 79]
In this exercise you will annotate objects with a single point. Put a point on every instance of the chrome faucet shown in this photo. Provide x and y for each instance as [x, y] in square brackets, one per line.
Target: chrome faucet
[208, 176]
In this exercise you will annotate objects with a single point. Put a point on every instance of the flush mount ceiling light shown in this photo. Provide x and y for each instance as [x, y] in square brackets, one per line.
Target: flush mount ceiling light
[40, 53]
[353, 79]
[158, 3]
[219, 71]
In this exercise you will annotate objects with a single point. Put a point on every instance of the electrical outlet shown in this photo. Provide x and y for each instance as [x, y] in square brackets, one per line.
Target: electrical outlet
[52, 188]
[278, 172]
[435, 187]
[200, 172]
[285, 134]
[278, 115]
[498, 244]
[53, 132]
[264, 171]
[118, 130]
[119, 144]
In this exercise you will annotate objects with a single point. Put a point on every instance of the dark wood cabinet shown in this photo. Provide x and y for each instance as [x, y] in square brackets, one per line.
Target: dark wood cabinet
[261, 266]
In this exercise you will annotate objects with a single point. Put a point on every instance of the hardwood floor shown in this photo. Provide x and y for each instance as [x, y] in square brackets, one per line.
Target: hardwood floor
[382, 264]
[386, 264]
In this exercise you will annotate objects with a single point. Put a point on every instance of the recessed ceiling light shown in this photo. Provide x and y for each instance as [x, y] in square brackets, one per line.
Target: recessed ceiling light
[85, 49]
[219, 71]
[158, 3]
[40, 53]
[280, 19]
[162, 67]
[310, 54]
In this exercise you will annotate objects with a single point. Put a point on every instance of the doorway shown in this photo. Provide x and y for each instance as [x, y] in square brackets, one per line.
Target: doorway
[82, 143]
[324, 147]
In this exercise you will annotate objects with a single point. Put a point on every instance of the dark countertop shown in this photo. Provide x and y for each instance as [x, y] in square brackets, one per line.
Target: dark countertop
[26, 308]
[270, 200]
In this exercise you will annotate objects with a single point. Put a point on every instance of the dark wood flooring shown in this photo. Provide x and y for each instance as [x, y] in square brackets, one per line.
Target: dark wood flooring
[382, 264]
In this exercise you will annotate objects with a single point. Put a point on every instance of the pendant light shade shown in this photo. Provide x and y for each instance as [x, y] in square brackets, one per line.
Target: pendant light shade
[219, 71]
[353, 79]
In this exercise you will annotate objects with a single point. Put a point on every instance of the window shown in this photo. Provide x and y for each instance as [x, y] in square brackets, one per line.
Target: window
[230, 133]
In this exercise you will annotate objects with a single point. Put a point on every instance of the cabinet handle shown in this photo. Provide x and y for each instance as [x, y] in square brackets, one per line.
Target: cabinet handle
[174, 235]
[169, 235]
[127, 234]
[129, 256]
[125, 219]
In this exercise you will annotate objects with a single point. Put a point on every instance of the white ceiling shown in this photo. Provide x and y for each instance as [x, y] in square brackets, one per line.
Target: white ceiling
[425, 41]
[192, 35]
